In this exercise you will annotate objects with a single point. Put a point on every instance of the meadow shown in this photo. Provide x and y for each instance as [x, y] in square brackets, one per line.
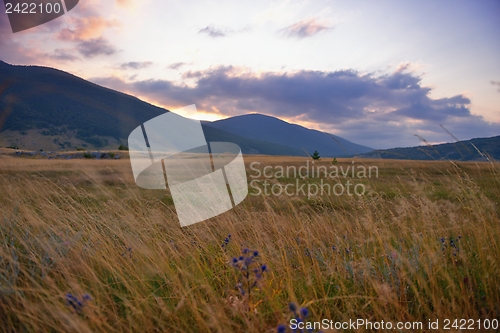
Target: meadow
[83, 249]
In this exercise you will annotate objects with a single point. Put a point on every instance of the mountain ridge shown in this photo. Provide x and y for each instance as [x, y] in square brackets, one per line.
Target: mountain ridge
[476, 149]
[276, 130]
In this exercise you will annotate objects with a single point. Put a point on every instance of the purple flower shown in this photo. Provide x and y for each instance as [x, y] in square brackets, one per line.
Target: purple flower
[249, 270]
[75, 303]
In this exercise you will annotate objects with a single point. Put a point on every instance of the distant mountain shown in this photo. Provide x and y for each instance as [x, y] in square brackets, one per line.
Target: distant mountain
[258, 126]
[45, 108]
[479, 149]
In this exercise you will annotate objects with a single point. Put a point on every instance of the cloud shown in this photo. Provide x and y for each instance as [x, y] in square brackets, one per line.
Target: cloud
[305, 28]
[16, 52]
[62, 55]
[84, 28]
[95, 47]
[80, 32]
[176, 65]
[496, 83]
[214, 32]
[135, 64]
[85, 31]
[124, 3]
[373, 110]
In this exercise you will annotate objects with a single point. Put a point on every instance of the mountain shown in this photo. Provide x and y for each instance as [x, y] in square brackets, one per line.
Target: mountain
[45, 108]
[479, 149]
[258, 126]
[57, 102]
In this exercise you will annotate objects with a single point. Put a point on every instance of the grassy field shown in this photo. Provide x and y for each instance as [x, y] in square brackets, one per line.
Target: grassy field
[83, 249]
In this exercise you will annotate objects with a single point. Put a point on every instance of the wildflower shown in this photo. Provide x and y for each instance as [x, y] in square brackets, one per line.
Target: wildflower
[250, 271]
[281, 328]
[304, 312]
[226, 241]
[75, 303]
[293, 307]
[129, 251]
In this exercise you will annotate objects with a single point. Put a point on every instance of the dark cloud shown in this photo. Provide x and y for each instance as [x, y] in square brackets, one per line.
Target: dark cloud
[496, 83]
[305, 28]
[369, 109]
[63, 55]
[135, 64]
[176, 65]
[95, 47]
[213, 31]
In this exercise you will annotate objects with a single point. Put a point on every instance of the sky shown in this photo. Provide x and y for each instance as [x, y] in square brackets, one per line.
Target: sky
[378, 73]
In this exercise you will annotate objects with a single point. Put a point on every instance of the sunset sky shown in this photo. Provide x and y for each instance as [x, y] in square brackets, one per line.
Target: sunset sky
[374, 72]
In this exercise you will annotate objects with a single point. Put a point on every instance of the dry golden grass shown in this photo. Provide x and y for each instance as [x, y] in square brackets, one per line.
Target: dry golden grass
[83, 227]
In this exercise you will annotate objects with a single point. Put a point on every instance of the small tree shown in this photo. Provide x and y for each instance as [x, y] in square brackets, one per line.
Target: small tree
[315, 155]
[123, 147]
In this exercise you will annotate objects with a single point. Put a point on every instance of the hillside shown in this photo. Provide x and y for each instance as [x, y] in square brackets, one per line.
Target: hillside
[258, 126]
[35, 97]
[489, 148]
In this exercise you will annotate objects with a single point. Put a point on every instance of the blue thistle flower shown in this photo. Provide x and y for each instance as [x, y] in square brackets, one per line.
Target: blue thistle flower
[226, 241]
[250, 271]
[75, 303]
[304, 312]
